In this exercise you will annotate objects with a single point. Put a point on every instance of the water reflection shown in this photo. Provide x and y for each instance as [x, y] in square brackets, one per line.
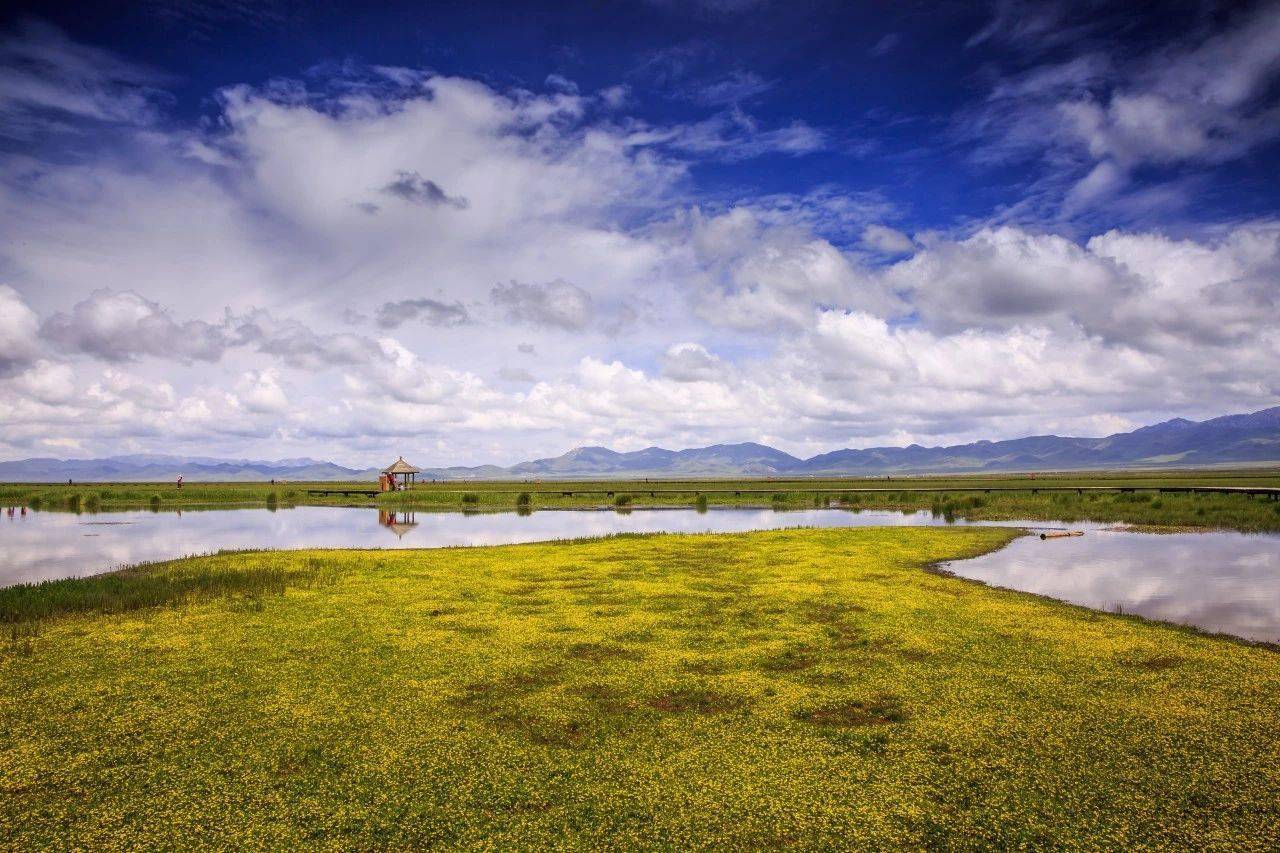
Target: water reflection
[1219, 581]
[46, 545]
[398, 522]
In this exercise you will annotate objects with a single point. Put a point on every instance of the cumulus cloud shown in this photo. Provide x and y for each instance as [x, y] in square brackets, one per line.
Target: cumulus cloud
[297, 344]
[557, 304]
[886, 240]
[430, 311]
[116, 388]
[19, 328]
[413, 188]
[121, 325]
[1145, 290]
[209, 287]
[118, 326]
[689, 362]
[261, 391]
[751, 272]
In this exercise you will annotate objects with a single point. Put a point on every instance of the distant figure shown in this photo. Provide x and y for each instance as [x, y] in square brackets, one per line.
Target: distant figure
[68, 481]
[179, 481]
[24, 512]
[11, 512]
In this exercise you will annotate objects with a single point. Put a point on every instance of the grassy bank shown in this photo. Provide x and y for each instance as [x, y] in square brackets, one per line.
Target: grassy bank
[973, 497]
[800, 688]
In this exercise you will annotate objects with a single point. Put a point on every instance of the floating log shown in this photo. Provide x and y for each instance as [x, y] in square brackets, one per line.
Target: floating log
[1061, 534]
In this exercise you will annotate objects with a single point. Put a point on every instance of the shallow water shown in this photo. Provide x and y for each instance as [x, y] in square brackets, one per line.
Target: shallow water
[1218, 581]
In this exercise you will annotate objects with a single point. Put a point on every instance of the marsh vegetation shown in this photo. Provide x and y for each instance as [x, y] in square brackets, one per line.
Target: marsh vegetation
[795, 688]
[977, 498]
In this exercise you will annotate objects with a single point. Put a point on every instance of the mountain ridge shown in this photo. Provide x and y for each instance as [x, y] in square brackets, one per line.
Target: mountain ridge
[1178, 442]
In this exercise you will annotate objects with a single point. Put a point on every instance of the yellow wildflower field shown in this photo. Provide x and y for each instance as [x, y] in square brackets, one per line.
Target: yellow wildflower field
[801, 688]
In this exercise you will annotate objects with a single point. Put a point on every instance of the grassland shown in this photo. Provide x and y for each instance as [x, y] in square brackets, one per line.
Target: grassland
[972, 497]
[813, 689]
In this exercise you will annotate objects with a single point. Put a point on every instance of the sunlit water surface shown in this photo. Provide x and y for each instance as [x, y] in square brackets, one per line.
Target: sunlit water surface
[1219, 581]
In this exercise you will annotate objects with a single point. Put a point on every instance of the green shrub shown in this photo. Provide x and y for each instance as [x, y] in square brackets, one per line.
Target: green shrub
[92, 503]
[471, 498]
[73, 503]
[622, 500]
[701, 503]
[524, 499]
[155, 503]
[273, 500]
[36, 502]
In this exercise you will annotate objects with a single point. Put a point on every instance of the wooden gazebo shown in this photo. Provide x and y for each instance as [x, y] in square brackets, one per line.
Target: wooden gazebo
[400, 475]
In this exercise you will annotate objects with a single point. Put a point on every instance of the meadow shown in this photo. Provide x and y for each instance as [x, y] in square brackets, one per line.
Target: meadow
[806, 688]
[975, 497]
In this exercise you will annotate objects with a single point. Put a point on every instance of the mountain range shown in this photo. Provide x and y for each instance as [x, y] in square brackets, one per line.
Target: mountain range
[1232, 439]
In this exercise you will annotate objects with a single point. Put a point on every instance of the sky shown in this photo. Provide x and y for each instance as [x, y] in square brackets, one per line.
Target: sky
[472, 232]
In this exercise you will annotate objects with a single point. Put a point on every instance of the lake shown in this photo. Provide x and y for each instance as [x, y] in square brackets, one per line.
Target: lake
[1219, 581]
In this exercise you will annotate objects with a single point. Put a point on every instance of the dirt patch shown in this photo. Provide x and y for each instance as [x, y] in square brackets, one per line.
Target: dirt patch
[566, 734]
[695, 700]
[608, 699]
[790, 660]
[830, 613]
[877, 711]
[479, 694]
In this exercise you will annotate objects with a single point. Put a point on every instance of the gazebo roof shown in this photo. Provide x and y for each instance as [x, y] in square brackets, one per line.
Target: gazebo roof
[401, 467]
[400, 528]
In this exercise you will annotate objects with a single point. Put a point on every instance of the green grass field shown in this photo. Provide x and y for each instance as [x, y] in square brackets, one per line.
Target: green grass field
[968, 499]
[802, 688]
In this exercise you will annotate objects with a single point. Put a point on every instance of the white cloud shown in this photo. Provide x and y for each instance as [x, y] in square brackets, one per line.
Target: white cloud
[211, 288]
[260, 391]
[118, 326]
[1202, 101]
[47, 81]
[557, 304]
[19, 327]
[750, 273]
[887, 241]
[688, 362]
[430, 311]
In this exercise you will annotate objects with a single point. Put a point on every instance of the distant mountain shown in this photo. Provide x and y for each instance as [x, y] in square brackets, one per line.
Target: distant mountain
[1231, 439]
[154, 467]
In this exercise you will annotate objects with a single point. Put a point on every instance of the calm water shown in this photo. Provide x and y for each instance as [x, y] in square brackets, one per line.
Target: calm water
[1219, 581]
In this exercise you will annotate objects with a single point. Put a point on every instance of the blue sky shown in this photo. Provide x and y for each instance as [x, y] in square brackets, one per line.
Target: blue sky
[480, 233]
